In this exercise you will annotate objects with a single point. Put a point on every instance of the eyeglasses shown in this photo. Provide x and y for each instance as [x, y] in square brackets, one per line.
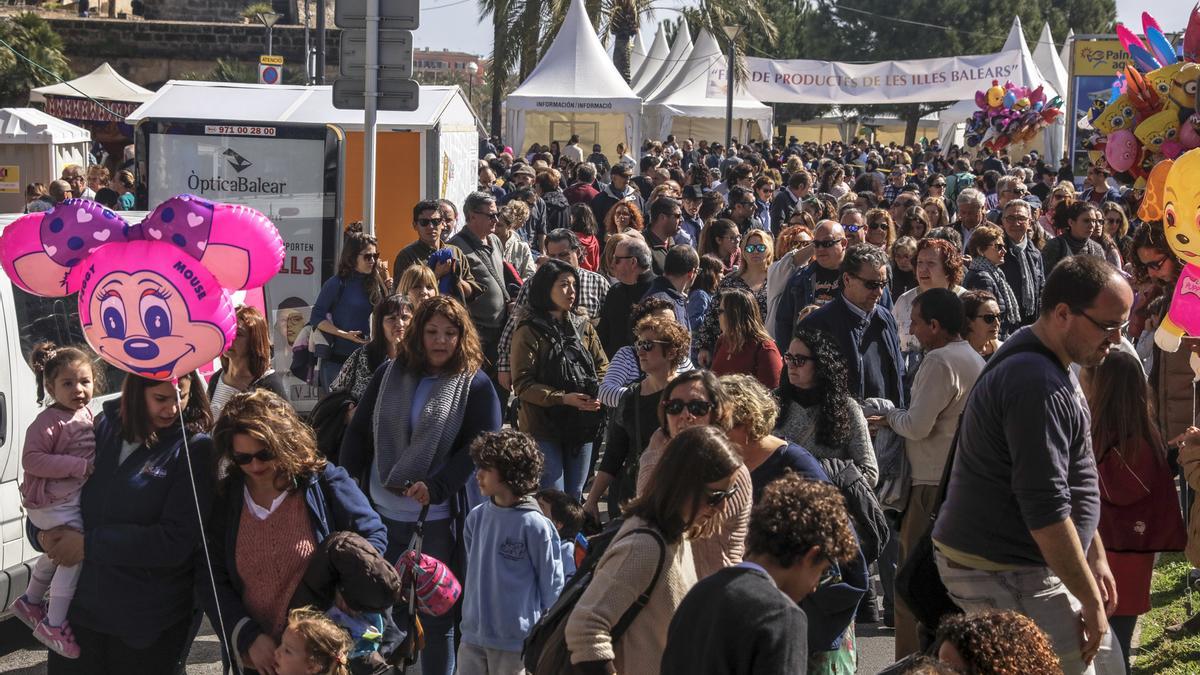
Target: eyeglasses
[696, 407]
[872, 284]
[369, 257]
[989, 319]
[798, 360]
[1016, 219]
[755, 248]
[490, 215]
[648, 345]
[429, 222]
[1107, 329]
[716, 498]
[1157, 264]
[617, 258]
[243, 458]
[746, 203]
[829, 243]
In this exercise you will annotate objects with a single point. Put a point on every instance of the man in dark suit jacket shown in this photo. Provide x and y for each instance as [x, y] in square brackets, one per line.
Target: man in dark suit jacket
[1022, 266]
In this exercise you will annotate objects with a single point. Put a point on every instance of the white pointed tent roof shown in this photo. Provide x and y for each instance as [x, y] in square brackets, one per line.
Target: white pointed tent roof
[655, 59]
[688, 95]
[27, 125]
[1027, 76]
[103, 84]
[1065, 54]
[680, 50]
[638, 56]
[1048, 61]
[575, 75]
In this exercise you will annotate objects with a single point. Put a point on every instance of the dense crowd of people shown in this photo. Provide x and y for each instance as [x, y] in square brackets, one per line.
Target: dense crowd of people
[686, 405]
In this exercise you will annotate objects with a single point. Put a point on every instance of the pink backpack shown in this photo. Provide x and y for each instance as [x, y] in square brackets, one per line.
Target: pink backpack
[435, 585]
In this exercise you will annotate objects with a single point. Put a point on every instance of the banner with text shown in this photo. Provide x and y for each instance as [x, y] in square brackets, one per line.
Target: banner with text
[918, 81]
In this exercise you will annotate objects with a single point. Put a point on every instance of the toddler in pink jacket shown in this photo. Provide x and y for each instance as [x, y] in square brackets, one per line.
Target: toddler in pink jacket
[59, 454]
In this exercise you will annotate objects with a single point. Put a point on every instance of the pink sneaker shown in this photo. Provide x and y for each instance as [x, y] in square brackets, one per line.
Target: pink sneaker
[29, 613]
[58, 638]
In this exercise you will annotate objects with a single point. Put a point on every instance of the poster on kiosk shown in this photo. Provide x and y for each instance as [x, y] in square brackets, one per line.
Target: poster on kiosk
[289, 173]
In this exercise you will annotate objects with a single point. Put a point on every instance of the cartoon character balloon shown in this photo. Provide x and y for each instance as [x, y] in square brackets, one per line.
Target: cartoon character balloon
[1180, 212]
[153, 297]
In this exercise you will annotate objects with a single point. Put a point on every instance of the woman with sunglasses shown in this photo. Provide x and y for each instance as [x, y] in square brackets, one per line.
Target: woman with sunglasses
[816, 409]
[278, 501]
[721, 239]
[661, 346]
[879, 230]
[1116, 226]
[758, 250]
[136, 594]
[694, 399]
[937, 190]
[745, 346]
[902, 273]
[342, 310]
[982, 330]
[692, 484]
[987, 252]
[246, 364]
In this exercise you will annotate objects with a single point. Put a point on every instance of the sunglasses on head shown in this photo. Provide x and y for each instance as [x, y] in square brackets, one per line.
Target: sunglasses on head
[242, 458]
[696, 407]
[647, 345]
[829, 243]
[798, 360]
[989, 319]
[755, 248]
[716, 498]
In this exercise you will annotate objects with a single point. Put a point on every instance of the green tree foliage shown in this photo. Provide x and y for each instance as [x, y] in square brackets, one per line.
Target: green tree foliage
[883, 30]
[32, 36]
[232, 70]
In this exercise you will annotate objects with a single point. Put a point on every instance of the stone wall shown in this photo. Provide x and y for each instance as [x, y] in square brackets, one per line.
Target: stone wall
[152, 52]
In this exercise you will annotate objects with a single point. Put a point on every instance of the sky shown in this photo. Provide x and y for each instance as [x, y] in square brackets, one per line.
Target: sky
[454, 24]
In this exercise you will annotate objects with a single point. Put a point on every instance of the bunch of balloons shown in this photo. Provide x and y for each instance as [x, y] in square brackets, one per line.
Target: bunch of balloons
[154, 298]
[1150, 113]
[1010, 114]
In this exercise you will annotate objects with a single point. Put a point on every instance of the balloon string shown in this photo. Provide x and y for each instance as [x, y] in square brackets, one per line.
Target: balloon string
[212, 579]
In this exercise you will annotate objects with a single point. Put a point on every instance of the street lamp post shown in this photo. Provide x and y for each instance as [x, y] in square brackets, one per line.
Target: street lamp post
[472, 68]
[268, 19]
[732, 33]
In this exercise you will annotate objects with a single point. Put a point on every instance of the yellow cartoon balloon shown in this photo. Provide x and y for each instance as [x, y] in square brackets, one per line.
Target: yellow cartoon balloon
[1181, 211]
[995, 95]
[1184, 85]
[1160, 78]
[1158, 129]
[1116, 116]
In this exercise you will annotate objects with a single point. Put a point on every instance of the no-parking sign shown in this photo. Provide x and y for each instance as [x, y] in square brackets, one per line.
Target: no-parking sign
[270, 69]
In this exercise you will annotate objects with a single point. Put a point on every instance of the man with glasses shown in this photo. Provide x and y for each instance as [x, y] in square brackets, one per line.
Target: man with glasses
[816, 283]
[742, 206]
[1018, 527]
[561, 245]
[1008, 188]
[854, 225]
[484, 254]
[429, 224]
[939, 393]
[764, 191]
[787, 201]
[631, 266]
[666, 216]
[77, 179]
[1022, 267]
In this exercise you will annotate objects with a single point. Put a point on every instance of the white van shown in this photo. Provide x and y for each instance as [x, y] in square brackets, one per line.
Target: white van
[26, 320]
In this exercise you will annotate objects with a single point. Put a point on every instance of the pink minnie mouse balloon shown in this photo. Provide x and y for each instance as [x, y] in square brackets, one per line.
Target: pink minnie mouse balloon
[153, 298]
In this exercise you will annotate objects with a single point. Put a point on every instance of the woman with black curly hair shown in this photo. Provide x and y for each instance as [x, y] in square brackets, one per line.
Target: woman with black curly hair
[996, 643]
[816, 410]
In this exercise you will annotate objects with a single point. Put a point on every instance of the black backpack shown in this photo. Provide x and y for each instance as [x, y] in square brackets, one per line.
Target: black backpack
[328, 421]
[545, 650]
[568, 366]
[870, 523]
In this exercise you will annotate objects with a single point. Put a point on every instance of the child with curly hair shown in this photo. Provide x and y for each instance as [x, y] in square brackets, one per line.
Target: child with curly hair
[514, 557]
[312, 644]
[996, 643]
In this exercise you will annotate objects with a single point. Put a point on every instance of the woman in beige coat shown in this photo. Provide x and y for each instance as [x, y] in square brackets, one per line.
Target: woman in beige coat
[694, 479]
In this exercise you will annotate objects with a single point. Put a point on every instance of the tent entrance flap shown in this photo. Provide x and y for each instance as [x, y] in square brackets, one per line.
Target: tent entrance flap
[603, 128]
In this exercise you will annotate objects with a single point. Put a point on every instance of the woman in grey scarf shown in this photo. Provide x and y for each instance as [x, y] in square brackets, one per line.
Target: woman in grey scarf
[408, 445]
[987, 252]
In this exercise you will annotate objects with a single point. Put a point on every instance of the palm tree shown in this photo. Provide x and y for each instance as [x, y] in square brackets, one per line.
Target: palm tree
[714, 15]
[622, 18]
[31, 35]
[505, 50]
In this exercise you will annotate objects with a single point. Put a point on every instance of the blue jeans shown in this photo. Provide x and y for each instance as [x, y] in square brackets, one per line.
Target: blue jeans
[1040, 595]
[329, 373]
[438, 656]
[566, 466]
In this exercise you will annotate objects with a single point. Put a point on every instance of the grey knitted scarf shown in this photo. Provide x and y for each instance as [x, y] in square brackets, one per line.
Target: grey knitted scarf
[1012, 311]
[404, 453]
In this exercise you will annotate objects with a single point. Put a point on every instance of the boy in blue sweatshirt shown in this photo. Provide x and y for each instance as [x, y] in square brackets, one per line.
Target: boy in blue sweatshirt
[514, 558]
[567, 515]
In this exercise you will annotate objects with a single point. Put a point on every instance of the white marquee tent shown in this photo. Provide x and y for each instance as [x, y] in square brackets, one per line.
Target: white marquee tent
[103, 84]
[575, 89]
[1052, 68]
[654, 60]
[638, 55]
[35, 147]
[685, 108]
[681, 49]
[952, 121]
